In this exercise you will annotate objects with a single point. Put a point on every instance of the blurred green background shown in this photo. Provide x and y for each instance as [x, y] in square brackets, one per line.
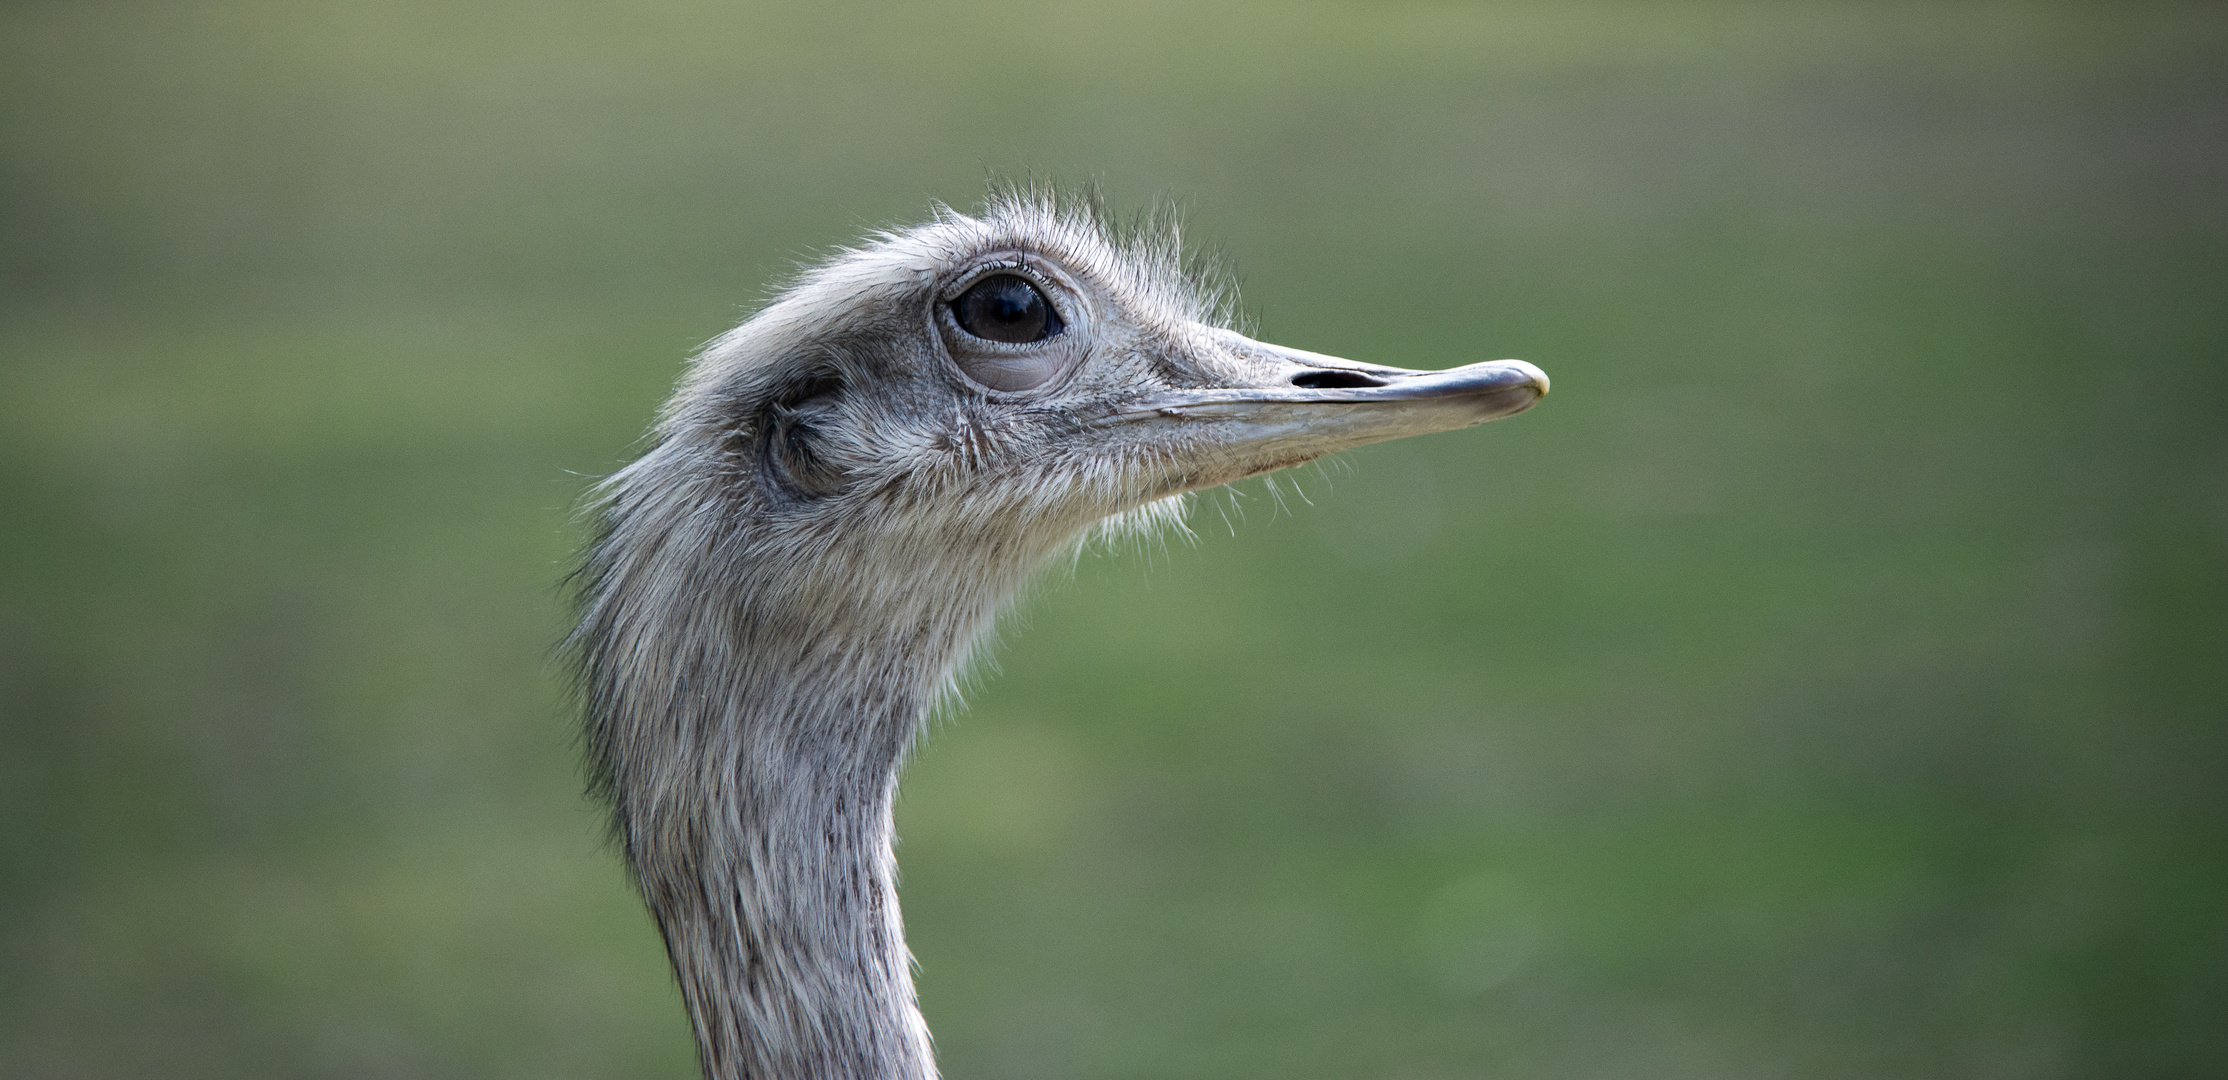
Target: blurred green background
[1829, 680]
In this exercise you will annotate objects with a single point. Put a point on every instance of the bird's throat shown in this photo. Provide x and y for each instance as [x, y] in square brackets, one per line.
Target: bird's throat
[773, 881]
[749, 709]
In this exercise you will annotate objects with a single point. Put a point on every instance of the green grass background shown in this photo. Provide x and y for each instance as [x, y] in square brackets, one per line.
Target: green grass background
[1830, 680]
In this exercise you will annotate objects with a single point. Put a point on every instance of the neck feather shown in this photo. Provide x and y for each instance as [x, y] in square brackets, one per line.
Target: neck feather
[762, 834]
[753, 749]
[750, 701]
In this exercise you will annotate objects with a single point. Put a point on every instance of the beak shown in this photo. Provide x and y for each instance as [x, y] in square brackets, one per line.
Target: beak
[1301, 405]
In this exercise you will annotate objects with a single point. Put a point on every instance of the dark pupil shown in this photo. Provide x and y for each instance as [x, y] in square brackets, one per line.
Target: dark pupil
[1006, 308]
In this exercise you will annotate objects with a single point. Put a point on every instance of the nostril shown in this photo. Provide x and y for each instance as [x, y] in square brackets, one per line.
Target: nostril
[1335, 379]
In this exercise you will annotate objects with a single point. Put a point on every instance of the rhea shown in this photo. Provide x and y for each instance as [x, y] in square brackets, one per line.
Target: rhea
[838, 500]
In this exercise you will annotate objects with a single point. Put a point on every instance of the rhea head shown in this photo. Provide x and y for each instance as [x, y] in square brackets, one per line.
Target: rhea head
[842, 493]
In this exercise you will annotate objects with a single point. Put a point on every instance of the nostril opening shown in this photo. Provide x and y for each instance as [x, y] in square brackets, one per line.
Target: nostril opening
[1335, 379]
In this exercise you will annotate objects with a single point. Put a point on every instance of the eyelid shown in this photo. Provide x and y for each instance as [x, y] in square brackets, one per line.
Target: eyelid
[1054, 287]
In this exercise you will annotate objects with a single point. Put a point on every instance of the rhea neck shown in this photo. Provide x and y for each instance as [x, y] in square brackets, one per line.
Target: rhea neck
[761, 823]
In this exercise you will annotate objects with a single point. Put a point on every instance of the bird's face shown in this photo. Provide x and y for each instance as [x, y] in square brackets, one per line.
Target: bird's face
[1020, 374]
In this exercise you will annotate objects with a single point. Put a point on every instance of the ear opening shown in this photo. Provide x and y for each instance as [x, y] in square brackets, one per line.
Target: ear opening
[792, 439]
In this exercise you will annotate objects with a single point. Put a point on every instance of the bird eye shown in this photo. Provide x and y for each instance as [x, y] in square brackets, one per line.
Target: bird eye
[1008, 309]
